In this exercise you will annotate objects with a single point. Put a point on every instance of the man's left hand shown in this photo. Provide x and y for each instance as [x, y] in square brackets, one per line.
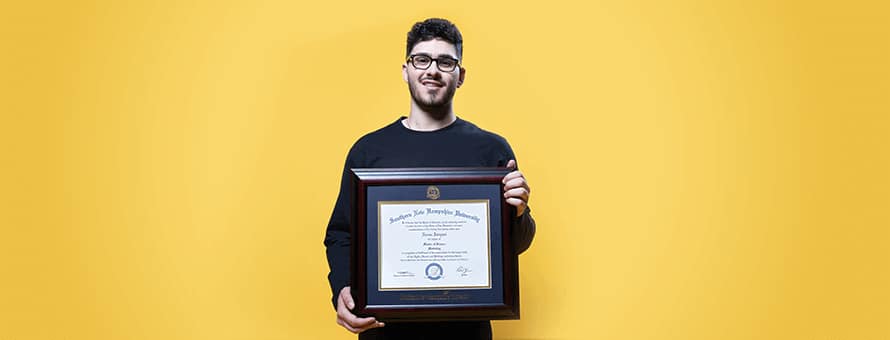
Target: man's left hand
[516, 189]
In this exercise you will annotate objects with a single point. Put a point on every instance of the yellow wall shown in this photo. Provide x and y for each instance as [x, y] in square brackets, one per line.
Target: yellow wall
[700, 169]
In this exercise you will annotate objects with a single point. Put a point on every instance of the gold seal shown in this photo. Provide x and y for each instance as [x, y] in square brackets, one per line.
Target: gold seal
[432, 192]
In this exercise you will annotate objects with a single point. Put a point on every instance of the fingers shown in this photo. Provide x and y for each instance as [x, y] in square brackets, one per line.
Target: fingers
[347, 326]
[516, 186]
[356, 324]
[357, 330]
[516, 189]
[350, 321]
[519, 204]
[516, 183]
[516, 202]
[520, 193]
[511, 176]
[353, 323]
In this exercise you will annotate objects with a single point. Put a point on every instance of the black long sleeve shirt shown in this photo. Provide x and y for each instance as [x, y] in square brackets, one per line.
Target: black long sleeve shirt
[460, 144]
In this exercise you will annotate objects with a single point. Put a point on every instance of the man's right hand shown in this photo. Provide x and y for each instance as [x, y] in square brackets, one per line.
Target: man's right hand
[348, 320]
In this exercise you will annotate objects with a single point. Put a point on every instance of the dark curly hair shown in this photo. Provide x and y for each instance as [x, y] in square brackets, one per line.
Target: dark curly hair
[434, 28]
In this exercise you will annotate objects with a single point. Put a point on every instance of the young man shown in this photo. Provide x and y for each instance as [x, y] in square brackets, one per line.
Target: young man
[431, 136]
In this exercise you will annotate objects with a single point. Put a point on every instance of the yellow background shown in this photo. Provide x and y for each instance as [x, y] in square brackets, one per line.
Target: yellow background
[700, 169]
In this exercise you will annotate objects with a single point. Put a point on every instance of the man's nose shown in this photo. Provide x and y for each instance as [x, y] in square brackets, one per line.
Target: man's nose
[433, 70]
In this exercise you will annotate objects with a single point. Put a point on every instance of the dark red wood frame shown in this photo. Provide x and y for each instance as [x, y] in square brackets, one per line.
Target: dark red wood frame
[364, 178]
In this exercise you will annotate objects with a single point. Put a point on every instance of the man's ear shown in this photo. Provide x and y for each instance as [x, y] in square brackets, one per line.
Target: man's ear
[405, 72]
[460, 79]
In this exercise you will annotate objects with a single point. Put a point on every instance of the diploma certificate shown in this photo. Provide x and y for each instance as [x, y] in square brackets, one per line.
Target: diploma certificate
[434, 245]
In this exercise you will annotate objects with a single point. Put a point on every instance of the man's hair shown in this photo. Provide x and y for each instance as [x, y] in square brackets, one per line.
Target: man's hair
[435, 28]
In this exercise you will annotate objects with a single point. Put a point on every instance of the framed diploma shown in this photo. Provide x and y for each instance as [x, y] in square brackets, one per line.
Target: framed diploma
[433, 244]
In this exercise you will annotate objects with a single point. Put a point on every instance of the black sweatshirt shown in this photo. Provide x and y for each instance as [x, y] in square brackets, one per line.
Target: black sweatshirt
[461, 144]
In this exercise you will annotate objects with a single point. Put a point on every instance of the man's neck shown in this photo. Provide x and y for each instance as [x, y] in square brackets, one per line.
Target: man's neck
[429, 119]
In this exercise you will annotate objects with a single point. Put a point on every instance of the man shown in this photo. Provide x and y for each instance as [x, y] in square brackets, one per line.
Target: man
[431, 136]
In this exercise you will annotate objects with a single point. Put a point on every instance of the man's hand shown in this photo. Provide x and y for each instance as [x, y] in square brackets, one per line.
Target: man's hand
[516, 189]
[348, 320]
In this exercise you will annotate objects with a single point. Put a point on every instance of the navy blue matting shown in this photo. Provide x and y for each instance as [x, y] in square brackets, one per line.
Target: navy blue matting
[492, 192]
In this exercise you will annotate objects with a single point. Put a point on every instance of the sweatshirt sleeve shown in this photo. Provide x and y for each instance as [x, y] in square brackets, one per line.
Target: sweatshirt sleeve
[523, 231]
[337, 238]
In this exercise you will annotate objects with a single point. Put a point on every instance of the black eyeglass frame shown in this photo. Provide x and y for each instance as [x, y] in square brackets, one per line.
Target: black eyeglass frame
[410, 60]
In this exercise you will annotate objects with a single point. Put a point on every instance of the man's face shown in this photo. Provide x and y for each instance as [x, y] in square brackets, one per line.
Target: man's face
[433, 87]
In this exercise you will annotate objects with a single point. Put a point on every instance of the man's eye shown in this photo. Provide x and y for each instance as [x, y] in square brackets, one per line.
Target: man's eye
[421, 60]
[447, 63]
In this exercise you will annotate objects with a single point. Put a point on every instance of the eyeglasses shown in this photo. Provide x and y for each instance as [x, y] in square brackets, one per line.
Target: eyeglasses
[423, 62]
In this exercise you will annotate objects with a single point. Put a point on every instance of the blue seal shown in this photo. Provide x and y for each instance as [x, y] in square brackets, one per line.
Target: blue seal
[433, 271]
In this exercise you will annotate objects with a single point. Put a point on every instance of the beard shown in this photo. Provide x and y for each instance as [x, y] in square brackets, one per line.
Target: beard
[428, 98]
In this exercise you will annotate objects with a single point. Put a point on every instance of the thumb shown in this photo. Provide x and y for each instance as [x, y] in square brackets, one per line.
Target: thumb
[511, 164]
[346, 295]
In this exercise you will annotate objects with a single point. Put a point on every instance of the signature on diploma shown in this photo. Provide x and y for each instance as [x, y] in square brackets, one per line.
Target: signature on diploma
[403, 273]
[464, 272]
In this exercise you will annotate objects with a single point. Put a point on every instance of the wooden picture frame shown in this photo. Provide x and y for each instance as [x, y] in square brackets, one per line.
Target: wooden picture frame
[429, 265]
